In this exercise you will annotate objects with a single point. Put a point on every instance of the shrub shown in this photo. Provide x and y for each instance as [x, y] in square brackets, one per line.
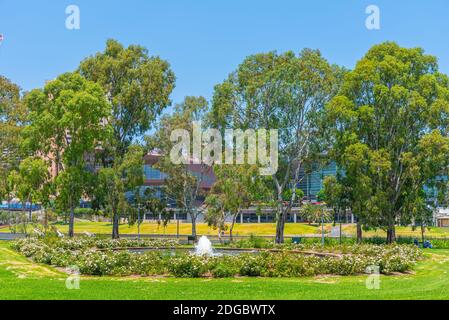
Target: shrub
[85, 254]
[188, 266]
[149, 264]
[225, 266]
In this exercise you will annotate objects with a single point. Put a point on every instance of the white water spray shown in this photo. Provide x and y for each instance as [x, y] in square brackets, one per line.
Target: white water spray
[204, 247]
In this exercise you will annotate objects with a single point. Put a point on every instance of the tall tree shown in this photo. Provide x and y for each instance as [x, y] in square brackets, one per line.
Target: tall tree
[137, 87]
[12, 119]
[237, 187]
[184, 180]
[285, 92]
[390, 132]
[335, 197]
[68, 121]
[33, 175]
[113, 183]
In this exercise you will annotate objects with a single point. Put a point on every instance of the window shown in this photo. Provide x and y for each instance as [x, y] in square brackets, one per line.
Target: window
[153, 174]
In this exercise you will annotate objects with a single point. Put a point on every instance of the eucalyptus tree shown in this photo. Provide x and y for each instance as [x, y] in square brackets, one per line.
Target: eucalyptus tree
[67, 122]
[137, 87]
[183, 184]
[390, 132]
[237, 187]
[33, 176]
[287, 92]
[12, 120]
[114, 182]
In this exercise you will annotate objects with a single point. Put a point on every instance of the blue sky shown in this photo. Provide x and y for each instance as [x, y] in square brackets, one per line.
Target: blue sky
[205, 40]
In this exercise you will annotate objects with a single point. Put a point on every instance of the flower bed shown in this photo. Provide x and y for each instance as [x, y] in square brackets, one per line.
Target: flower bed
[84, 254]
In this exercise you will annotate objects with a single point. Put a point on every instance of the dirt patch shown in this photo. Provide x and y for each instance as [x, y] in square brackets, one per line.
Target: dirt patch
[326, 279]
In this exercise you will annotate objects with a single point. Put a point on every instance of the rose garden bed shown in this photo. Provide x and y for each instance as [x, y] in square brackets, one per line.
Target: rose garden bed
[99, 257]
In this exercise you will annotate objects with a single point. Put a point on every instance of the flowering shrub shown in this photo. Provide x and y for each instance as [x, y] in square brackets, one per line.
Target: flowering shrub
[90, 242]
[188, 266]
[285, 263]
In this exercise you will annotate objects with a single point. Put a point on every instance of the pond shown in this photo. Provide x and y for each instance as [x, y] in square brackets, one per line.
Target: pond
[215, 252]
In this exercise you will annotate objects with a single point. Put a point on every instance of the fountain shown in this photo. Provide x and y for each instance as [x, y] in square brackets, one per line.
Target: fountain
[204, 247]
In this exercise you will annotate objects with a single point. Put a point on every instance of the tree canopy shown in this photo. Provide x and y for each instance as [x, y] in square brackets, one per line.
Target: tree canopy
[390, 132]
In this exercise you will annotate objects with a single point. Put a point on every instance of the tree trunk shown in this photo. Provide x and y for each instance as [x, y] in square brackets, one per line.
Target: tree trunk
[45, 220]
[193, 217]
[71, 221]
[339, 221]
[115, 225]
[219, 235]
[391, 234]
[280, 226]
[359, 232]
[422, 233]
[24, 208]
[231, 229]
[24, 217]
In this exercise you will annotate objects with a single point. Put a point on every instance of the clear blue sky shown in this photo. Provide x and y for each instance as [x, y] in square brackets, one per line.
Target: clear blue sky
[205, 40]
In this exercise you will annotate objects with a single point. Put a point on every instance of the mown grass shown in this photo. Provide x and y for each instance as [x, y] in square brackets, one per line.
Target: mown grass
[400, 232]
[263, 229]
[23, 279]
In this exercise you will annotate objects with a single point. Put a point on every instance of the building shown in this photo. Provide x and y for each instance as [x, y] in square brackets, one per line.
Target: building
[312, 183]
[155, 179]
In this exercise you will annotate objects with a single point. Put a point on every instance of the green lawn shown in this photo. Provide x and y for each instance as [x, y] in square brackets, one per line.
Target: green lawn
[22, 279]
[186, 228]
[400, 231]
[263, 229]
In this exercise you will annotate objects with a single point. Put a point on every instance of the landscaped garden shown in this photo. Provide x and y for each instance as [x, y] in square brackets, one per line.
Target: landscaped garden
[166, 258]
[34, 278]
[280, 136]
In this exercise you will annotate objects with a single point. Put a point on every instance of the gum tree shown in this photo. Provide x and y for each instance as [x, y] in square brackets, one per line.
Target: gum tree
[67, 122]
[33, 175]
[12, 120]
[183, 185]
[286, 92]
[137, 87]
[237, 187]
[114, 182]
[390, 124]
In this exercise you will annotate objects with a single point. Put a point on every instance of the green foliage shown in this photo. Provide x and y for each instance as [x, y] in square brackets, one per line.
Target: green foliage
[299, 195]
[66, 122]
[287, 92]
[181, 186]
[66, 119]
[112, 183]
[237, 187]
[390, 134]
[353, 260]
[89, 212]
[17, 221]
[137, 86]
[33, 175]
[315, 213]
[12, 119]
